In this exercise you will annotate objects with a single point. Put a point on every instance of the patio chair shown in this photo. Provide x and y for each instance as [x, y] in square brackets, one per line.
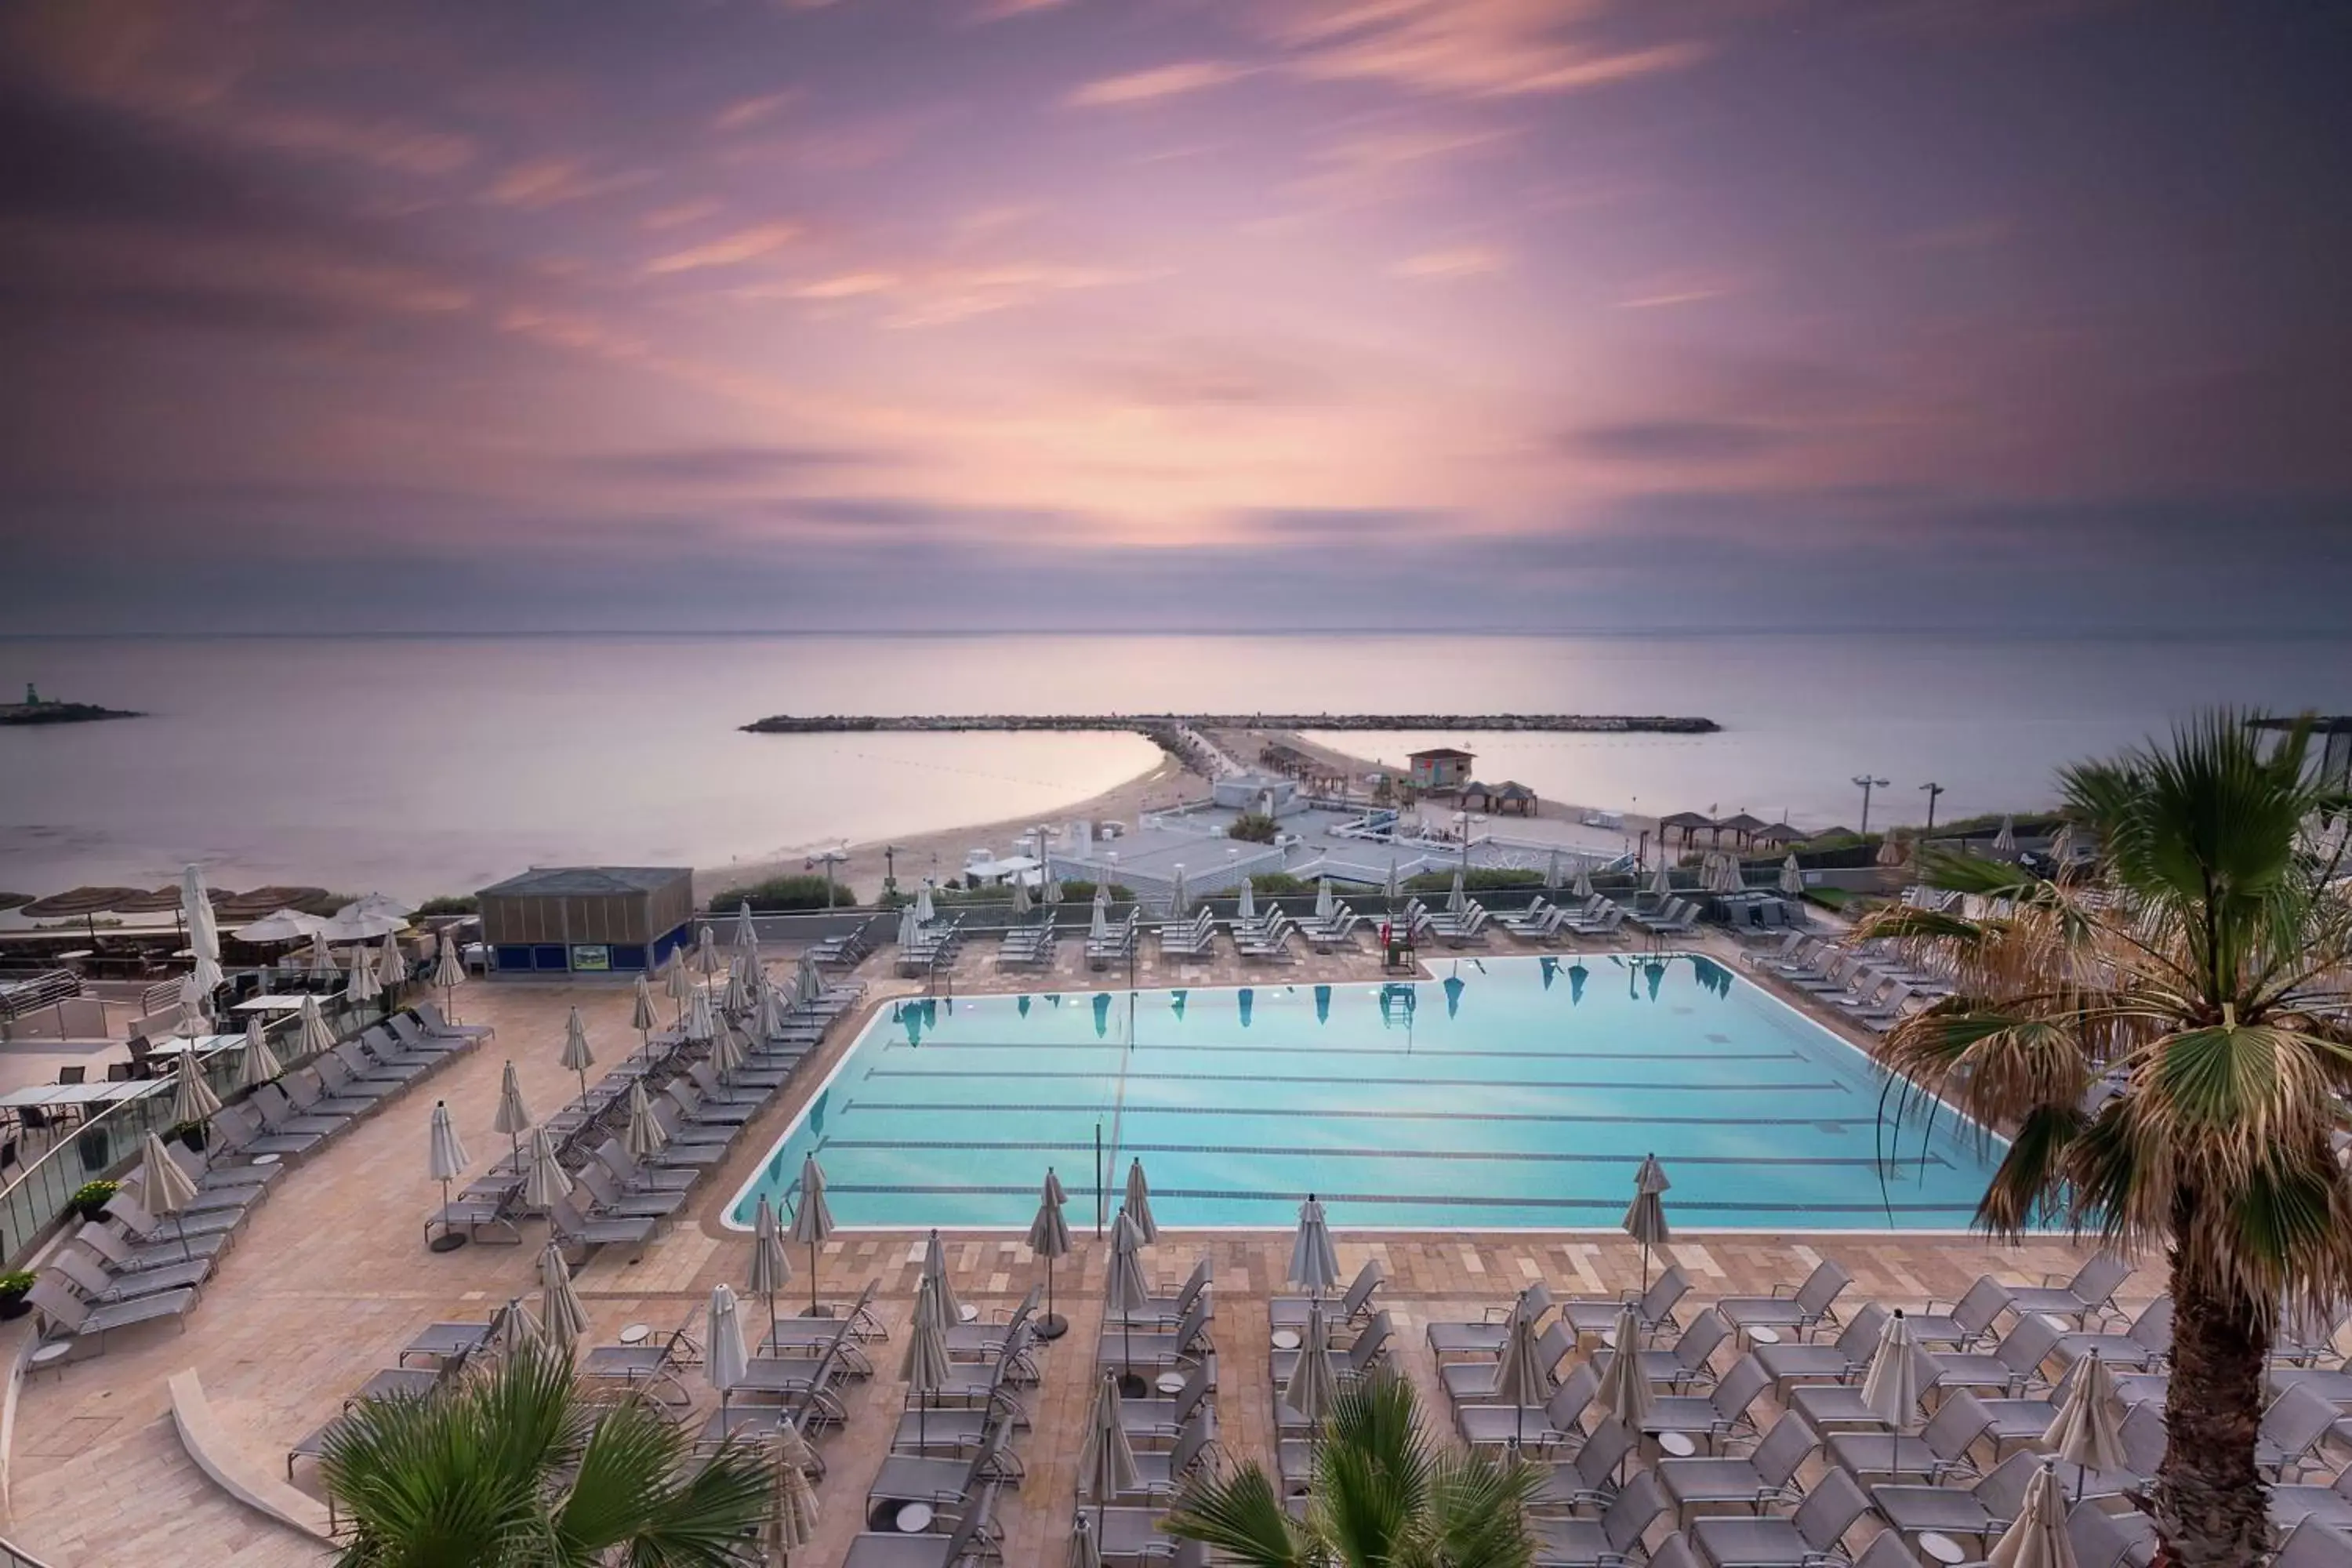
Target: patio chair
[1811, 1304]
[645, 1203]
[1717, 1416]
[2330, 1504]
[1764, 1476]
[1843, 1360]
[1159, 1420]
[2008, 1370]
[2091, 1293]
[1962, 1324]
[122, 1257]
[1476, 1382]
[1167, 1311]
[1811, 1535]
[943, 1484]
[428, 1013]
[584, 1234]
[2290, 1429]
[1487, 1337]
[89, 1276]
[1682, 1365]
[614, 1156]
[1156, 1349]
[1940, 1449]
[66, 1316]
[2144, 1342]
[1614, 1537]
[1555, 1426]
[1586, 1478]
[1290, 1311]
[2104, 1540]
[1983, 1510]
[1654, 1307]
[653, 1367]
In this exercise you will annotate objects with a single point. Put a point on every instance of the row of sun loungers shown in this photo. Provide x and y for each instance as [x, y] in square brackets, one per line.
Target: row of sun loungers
[134, 1269]
[1168, 1415]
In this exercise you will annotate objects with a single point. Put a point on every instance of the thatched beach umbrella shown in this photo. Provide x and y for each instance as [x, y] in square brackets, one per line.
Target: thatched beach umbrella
[1138, 1199]
[1792, 876]
[312, 1036]
[449, 973]
[445, 1161]
[1314, 1262]
[771, 1265]
[576, 1054]
[544, 1182]
[204, 933]
[641, 1135]
[924, 1362]
[724, 1359]
[513, 1117]
[1523, 1379]
[559, 1309]
[1049, 1237]
[259, 1063]
[1105, 1459]
[812, 1222]
[1645, 1216]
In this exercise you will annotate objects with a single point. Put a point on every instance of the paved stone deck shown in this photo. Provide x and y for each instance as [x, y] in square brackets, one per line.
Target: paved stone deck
[331, 1277]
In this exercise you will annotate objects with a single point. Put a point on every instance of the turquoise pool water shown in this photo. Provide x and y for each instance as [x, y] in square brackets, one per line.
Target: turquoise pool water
[1514, 1093]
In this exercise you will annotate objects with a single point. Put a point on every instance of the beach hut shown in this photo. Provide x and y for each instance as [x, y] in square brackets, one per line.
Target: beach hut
[587, 920]
[1440, 767]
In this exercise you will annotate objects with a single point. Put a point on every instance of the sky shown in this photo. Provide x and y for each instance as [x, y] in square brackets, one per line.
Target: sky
[1409, 314]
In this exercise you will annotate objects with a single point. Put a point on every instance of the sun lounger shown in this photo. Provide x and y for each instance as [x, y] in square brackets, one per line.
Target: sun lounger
[973, 1539]
[1719, 1415]
[69, 1317]
[610, 1199]
[949, 1484]
[1158, 1421]
[1654, 1308]
[428, 1013]
[652, 1367]
[1167, 1311]
[1845, 1360]
[125, 1209]
[89, 1278]
[585, 1234]
[1811, 1304]
[1155, 1348]
[1765, 1476]
[1556, 1426]
[1612, 1539]
[1290, 1311]
[124, 1256]
[1808, 1536]
[1369, 1351]
[1983, 1510]
[1485, 1337]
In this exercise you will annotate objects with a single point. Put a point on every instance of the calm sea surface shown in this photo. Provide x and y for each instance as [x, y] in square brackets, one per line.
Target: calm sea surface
[429, 765]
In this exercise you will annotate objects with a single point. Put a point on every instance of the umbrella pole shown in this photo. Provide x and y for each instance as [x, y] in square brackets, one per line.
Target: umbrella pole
[1050, 1327]
[813, 1312]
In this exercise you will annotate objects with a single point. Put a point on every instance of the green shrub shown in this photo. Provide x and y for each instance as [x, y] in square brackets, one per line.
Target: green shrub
[1082, 892]
[1280, 885]
[1254, 827]
[451, 904]
[1476, 880]
[13, 1285]
[779, 894]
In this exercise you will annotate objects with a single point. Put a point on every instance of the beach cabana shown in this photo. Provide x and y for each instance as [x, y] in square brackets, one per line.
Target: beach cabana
[1778, 836]
[587, 920]
[1742, 826]
[1512, 796]
[1686, 823]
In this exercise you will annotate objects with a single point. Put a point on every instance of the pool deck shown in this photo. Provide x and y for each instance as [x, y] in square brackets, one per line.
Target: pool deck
[330, 1278]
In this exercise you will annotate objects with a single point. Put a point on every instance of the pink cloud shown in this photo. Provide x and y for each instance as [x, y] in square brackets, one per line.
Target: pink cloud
[729, 250]
[1161, 82]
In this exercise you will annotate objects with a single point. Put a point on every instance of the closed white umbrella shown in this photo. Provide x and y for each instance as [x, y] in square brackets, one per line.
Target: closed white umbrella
[1456, 901]
[1890, 850]
[515, 1330]
[2088, 1432]
[812, 1222]
[792, 1511]
[1314, 1262]
[312, 1036]
[2061, 844]
[321, 964]
[195, 1007]
[391, 964]
[1551, 872]
[1105, 1459]
[513, 1117]
[1625, 1392]
[1663, 883]
[1049, 1237]
[1325, 905]
[1393, 888]
[737, 999]
[724, 1359]
[565, 1319]
[165, 1190]
[1180, 897]
[544, 1182]
[641, 1135]
[1084, 1550]
[193, 1099]
[642, 1017]
[1099, 924]
[1021, 904]
[259, 1063]
[363, 985]
[935, 1270]
[924, 913]
[771, 1012]
[678, 984]
[576, 1055]
[705, 951]
[1246, 908]
[1645, 1216]
[924, 1362]
[1584, 887]
[746, 935]
[203, 935]
[1523, 1379]
[1890, 1389]
[1314, 1384]
[1051, 893]
[910, 927]
[771, 1265]
[449, 972]
[445, 1161]
[1792, 876]
[1125, 1290]
[2037, 1538]
[702, 1021]
[808, 983]
[2005, 841]
[1138, 1199]
[726, 1053]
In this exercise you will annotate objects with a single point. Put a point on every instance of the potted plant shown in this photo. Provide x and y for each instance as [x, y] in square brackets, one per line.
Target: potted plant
[89, 1199]
[191, 1133]
[12, 1294]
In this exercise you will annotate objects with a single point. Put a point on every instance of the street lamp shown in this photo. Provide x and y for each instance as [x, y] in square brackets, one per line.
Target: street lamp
[1867, 784]
[1932, 790]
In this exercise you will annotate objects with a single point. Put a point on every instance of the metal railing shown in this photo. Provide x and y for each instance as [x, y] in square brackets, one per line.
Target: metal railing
[105, 1144]
[13, 1556]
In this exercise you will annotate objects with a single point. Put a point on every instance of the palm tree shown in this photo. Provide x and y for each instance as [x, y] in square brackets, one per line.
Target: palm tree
[1384, 1498]
[518, 1467]
[2151, 1033]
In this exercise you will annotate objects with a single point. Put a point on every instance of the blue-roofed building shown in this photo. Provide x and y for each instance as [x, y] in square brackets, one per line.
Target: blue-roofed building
[587, 920]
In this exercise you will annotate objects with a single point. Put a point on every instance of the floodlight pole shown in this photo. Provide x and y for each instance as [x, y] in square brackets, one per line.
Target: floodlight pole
[1867, 784]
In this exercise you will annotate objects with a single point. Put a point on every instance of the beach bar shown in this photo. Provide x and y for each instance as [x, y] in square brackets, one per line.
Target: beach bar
[587, 920]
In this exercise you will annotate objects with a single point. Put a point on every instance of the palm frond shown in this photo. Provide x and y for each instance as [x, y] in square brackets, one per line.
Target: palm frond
[1241, 1514]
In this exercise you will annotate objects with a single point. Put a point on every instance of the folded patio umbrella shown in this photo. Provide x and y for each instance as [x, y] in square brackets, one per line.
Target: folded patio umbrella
[2088, 1431]
[1393, 888]
[701, 1022]
[312, 1036]
[1049, 1237]
[576, 1055]
[1584, 887]
[924, 1362]
[737, 998]
[1314, 1263]
[1891, 1387]
[391, 964]
[513, 1117]
[2037, 1538]
[449, 972]
[445, 1156]
[2005, 841]
[363, 985]
[746, 935]
[1522, 1379]
[726, 1053]
[193, 1099]
[724, 1359]
[771, 1265]
[792, 1511]
[1645, 1216]
[1139, 1202]
[935, 1270]
[1456, 899]
[1324, 903]
[642, 1136]
[514, 1329]
[559, 1304]
[321, 964]
[1662, 884]
[642, 1017]
[1125, 1290]
[706, 951]
[1551, 871]
[924, 913]
[1890, 851]
[1099, 926]
[544, 1182]
[813, 1221]
[1105, 1458]
[808, 985]
[1792, 876]
[259, 1063]
[1180, 897]
[1314, 1384]
[1625, 1392]
[1021, 904]
[165, 1188]
[203, 935]
[1085, 1553]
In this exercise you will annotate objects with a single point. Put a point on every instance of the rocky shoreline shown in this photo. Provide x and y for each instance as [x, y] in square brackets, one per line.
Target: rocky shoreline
[1146, 723]
[59, 713]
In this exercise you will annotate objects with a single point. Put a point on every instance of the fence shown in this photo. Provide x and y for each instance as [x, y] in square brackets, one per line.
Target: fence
[109, 1142]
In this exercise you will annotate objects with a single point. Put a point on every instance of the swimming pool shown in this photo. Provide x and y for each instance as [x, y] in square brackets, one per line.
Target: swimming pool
[1513, 1093]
